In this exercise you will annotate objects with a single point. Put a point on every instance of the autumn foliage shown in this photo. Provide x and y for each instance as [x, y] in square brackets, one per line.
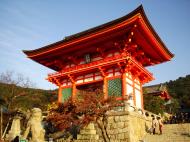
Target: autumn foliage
[89, 106]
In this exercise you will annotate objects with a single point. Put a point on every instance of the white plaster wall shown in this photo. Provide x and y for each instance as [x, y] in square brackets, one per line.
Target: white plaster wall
[138, 98]
[129, 89]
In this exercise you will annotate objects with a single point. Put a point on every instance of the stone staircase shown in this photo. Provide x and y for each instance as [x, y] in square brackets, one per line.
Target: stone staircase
[171, 133]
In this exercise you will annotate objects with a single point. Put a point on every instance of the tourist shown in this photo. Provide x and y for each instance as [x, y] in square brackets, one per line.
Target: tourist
[154, 124]
[160, 124]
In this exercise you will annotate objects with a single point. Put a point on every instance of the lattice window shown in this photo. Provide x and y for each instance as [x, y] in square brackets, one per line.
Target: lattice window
[66, 93]
[114, 87]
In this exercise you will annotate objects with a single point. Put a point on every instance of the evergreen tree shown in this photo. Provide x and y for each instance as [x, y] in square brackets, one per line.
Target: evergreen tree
[154, 104]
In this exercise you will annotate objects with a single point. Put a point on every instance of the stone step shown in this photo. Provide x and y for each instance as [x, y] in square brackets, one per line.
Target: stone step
[87, 137]
[171, 133]
[166, 139]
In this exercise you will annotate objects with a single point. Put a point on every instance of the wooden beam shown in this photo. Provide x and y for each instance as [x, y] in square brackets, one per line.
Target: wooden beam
[102, 71]
[71, 78]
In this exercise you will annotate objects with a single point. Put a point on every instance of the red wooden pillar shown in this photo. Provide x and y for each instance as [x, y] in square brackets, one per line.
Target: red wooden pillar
[74, 91]
[134, 96]
[60, 95]
[73, 95]
[105, 81]
[142, 98]
[124, 88]
[105, 88]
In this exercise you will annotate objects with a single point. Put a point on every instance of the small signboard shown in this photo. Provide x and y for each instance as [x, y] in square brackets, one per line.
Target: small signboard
[87, 58]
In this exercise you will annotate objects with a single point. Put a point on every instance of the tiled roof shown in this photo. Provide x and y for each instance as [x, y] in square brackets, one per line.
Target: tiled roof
[154, 88]
[98, 28]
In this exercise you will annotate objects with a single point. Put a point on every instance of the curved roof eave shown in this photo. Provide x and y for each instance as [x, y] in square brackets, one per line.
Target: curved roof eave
[53, 47]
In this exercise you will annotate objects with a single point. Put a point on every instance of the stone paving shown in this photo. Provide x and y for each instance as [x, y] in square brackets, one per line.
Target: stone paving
[171, 133]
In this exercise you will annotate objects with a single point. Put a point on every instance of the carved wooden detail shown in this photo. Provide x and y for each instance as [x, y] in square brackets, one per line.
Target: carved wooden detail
[74, 60]
[101, 51]
[72, 78]
[102, 71]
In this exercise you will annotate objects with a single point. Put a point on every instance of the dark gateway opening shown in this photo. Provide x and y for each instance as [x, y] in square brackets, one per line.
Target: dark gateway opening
[96, 88]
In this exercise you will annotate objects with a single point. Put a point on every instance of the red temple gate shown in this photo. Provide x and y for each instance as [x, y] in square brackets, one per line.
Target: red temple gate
[112, 56]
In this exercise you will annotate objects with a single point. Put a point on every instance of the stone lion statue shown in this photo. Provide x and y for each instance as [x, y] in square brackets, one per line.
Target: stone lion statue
[35, 127]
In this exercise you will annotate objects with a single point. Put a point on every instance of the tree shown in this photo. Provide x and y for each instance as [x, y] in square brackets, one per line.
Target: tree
[14, 90]
[180, 90]
[172, 106]
[2, 101]
[154, 104]
[86, 108]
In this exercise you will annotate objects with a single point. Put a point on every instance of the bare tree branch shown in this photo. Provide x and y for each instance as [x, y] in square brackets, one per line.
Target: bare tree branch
[15, 81]
[9, 77]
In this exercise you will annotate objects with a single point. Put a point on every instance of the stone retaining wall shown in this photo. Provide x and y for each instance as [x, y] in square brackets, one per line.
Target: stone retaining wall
[121, 126]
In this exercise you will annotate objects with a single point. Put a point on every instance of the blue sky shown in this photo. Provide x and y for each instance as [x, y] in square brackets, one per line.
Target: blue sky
[31, 24]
